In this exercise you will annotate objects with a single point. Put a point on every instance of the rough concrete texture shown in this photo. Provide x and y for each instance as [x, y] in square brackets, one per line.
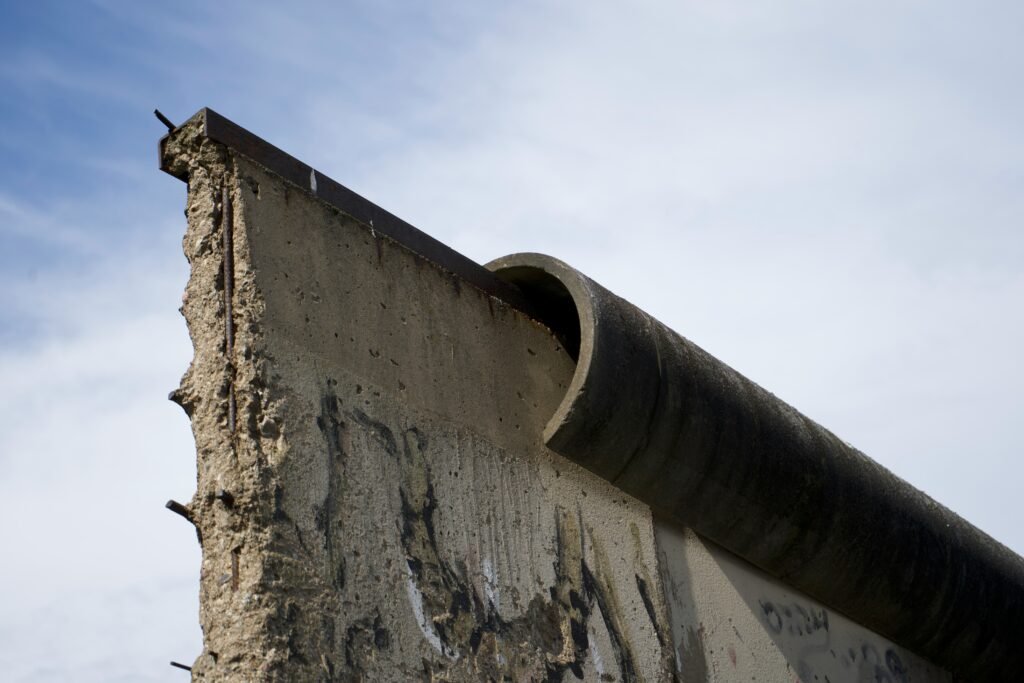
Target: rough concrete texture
[732, 622]
[374, 499]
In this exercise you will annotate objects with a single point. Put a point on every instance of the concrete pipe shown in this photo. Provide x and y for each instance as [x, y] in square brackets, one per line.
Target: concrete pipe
[706, 447]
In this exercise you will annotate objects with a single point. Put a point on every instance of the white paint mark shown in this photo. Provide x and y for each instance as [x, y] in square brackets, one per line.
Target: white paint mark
[595, 656]
[679, 657]
[312, 180]
[490, 582]
[425, 624]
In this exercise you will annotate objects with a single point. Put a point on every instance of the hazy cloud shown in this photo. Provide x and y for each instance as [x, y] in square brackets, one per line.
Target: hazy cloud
[824, 196]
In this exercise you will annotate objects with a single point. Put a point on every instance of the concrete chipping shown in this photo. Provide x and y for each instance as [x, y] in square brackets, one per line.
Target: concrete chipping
[393, 513]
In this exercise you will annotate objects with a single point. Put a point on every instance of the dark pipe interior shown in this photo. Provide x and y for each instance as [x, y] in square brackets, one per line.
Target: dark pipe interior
[551, 302]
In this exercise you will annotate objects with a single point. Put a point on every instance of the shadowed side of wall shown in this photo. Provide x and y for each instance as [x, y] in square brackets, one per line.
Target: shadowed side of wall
[732, 622]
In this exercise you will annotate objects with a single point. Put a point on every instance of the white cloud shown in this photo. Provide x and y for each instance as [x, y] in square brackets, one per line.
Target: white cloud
[101, 582]
[824, 196]
[127, 631]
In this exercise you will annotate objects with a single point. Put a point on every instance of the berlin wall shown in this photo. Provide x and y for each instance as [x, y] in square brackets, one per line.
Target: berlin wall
[412, 467]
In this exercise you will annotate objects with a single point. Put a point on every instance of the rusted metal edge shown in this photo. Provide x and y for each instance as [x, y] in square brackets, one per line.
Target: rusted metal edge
[231, 135]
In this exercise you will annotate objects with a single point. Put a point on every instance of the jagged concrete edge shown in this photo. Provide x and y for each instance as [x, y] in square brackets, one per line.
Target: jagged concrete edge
[219, 215]
[708, 448]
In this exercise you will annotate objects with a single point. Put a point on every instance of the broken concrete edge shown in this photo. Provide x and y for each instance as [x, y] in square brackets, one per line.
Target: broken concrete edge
[339, 557]
[228, 133]
[710, 450]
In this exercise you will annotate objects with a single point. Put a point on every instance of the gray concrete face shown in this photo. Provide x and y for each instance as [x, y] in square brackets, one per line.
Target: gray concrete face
[732, 622]
[391, 512]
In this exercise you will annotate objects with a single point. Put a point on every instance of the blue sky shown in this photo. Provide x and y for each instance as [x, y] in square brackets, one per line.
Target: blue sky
[824, 195]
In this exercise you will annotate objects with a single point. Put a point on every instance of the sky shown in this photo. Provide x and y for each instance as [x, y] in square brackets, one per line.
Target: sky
[826, 196]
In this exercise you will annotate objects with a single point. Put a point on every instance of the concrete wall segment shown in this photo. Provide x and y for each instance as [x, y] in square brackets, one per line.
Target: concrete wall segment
[731, 622]
[394, 514]
[376, 495]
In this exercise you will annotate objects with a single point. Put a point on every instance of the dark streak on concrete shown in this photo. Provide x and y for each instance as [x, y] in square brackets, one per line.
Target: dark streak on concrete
[641, 587]
[623, 655]
[469, 626]
[363, 639]
[279, 515]
[380, 431]
[328, 514]
[692, 660]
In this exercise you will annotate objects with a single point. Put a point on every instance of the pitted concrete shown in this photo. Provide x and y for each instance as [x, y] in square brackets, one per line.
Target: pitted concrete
[395, 514]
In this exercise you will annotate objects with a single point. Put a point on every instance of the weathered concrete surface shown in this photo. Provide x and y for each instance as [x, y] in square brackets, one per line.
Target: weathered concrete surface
[732, 622]
[668, 423]
[389, 509]
[375, 497]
